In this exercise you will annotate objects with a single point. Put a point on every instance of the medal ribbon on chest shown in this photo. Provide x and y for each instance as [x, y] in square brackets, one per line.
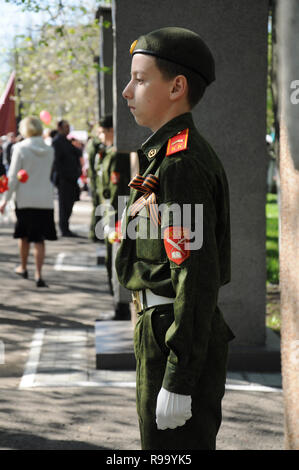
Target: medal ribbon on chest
[148, 185]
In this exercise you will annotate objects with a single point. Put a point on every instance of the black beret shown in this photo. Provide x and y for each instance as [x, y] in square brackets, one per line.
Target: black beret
[106, 121]
[178, 45]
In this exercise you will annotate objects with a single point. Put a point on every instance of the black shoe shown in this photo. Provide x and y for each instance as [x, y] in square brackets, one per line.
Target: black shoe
[41, 283]
[23, 274]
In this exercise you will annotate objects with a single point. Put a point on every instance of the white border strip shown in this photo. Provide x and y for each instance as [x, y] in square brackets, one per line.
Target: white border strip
[32, 363]
[85, 383]
[112, 384]
[28, 379]
[59, 261]
[69, 267]
[252, 388]
[59, 266]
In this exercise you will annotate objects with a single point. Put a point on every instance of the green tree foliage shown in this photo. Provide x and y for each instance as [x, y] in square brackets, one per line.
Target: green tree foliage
[57, 62]
[60, 75]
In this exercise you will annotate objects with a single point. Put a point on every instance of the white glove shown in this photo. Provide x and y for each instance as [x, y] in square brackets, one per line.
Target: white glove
[172, 410]
[108, 230]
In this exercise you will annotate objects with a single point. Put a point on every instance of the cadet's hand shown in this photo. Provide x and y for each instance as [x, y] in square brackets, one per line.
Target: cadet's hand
[113, 237]
[172, 410]
[112, 234]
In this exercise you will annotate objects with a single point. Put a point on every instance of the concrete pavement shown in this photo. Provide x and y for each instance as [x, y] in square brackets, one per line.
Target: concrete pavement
[52, 396]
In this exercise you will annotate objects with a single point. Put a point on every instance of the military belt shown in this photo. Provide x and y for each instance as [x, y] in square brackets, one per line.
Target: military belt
[146, 298]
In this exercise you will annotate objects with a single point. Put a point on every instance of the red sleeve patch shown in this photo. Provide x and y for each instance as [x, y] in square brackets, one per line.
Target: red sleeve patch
[176, 242]
[115, 177]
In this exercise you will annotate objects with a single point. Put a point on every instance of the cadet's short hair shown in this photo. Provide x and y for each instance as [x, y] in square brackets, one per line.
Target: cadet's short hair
[179, 51]
[196, 85]
[61, 123]
[30, 126]
[106, 122]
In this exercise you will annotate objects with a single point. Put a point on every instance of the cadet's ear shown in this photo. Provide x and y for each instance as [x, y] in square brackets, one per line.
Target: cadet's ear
[179, 87]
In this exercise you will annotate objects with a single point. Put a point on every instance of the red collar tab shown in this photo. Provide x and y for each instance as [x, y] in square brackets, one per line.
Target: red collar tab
[178, 142]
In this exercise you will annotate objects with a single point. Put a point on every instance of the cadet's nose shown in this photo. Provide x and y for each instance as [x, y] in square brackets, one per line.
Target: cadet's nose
[127, 93]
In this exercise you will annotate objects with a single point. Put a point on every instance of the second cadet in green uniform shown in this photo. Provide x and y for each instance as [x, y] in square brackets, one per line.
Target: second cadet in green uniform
[94, 149]
[114, 178]
[175, 251]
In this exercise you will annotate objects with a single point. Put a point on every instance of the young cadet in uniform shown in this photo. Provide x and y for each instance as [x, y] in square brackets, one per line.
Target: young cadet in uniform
[114, 178]
[94, 149]
[181, 339]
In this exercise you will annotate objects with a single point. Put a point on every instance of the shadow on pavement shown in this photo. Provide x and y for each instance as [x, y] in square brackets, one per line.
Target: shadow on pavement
[28, 441]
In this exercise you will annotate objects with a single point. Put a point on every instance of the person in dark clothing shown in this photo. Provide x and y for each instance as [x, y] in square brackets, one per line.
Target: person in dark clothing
[2, 167]
[7, 149]
[65, 173]
[53, 133]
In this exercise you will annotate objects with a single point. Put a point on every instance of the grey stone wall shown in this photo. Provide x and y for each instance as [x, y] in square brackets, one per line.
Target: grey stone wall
[232, 116]
[106, 60]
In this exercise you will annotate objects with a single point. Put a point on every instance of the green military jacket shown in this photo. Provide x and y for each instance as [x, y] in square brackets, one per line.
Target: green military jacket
[193, 176]
[92, 150]
[115, 177]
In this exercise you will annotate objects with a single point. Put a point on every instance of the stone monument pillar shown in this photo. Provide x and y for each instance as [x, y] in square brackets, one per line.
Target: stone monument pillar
[232, 116]
[105, 60]
[288, 41]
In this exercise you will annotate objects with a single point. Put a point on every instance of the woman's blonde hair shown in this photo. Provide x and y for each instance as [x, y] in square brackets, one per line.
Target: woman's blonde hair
[30, 126]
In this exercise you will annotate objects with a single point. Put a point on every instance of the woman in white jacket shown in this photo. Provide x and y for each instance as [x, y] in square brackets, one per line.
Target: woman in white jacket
[34, 198]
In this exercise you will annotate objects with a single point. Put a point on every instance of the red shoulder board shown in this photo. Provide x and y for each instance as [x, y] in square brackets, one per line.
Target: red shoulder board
[115, 177]
[176, 242]
[177, 143]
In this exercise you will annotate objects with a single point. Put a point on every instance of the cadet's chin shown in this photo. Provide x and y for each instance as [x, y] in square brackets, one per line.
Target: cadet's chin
[140, 121]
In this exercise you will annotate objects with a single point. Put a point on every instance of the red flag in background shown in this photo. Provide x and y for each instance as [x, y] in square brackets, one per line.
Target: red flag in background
[7, 108]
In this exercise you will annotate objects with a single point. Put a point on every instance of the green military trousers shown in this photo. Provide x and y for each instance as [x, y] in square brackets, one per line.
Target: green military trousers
[200, 431]
[94, 218]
